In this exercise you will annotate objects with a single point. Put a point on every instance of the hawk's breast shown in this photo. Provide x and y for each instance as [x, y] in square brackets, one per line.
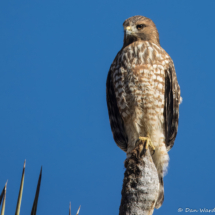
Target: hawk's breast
[138, 75]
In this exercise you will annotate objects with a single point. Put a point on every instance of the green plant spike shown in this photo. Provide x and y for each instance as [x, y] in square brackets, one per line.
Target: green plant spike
[70, 208]
[19, 201]
[4, 200]
[34, 208]
[1, 196]
[78, 210]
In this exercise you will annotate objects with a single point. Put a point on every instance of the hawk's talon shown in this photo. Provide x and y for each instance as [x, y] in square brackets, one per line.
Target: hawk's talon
[138, 141]
[143, 152]
[147, 142]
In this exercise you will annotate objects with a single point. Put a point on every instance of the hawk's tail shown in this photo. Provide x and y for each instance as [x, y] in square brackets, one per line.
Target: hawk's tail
[160, 198]
[161, 159]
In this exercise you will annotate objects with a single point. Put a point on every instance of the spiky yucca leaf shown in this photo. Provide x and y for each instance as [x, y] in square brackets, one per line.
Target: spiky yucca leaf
[1, 196]
[78, 210]
[34, 208]
[18, 206]
[4, 200]
[70, 208]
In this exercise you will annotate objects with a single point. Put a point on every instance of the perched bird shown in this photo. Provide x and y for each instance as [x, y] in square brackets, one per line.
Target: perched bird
[143, 95]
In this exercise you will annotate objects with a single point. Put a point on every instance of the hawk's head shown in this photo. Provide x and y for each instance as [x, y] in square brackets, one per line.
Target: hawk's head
[138, 28]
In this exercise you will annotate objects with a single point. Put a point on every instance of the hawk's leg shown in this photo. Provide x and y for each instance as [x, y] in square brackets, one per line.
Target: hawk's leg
[144, 143]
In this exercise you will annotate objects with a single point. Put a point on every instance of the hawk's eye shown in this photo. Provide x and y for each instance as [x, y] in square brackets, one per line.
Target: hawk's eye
[139, 27]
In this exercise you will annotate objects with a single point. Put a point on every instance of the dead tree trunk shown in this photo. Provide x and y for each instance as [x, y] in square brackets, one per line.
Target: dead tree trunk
[140, 185]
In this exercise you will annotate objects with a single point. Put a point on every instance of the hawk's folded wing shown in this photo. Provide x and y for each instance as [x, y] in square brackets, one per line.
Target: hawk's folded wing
[116, 121]
[172, 101]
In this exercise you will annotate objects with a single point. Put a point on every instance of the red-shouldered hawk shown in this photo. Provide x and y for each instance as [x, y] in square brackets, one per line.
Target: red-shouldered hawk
[143, 95]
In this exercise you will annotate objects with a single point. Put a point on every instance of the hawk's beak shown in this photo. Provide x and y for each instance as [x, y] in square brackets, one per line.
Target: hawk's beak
[128, 30]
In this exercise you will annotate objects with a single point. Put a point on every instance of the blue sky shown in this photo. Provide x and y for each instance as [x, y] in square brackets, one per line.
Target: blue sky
[54, 60]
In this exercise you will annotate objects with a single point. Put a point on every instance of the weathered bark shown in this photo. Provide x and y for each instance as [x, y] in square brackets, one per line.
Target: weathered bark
[140, 185]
